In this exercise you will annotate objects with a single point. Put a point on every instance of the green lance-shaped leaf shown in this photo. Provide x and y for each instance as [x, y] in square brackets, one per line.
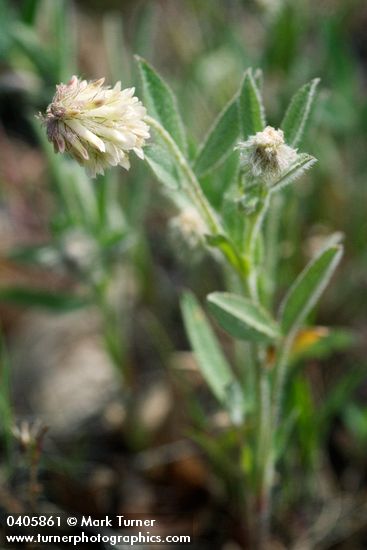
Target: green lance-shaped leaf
[242, 318]
[297, 169]
[296, 116]
[307, 288]
[220, 139]
[162, 165]
[161, 103]
[211, 361]
[250, 107]
[55, 301]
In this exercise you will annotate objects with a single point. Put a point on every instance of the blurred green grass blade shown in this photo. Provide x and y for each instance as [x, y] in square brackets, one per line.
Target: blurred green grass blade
[27, 41]
[162, 165]
[29, 11]
[284, 433]
[147, 25]
[82, 196]
[307, 429]
[335, 401]
[219, 450]
[307, 289]
[355, 418]
[115, 218]
[54, 161]
[251, 109]
[55, 301]
[117, 53]
[6, 410]
[220, 139]
[78, 195]
[161, 103]
[64, 39]
[297, 169]
[36, 255]
[296, 116]
[242, 318]
[283, 37]
[211, 361]
[7, 18]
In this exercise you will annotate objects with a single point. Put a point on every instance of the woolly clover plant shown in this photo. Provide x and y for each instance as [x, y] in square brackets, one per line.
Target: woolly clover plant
[255, 162]
[99, 126]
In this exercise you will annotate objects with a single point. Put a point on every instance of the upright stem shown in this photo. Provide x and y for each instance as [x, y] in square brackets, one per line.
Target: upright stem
[192, 188]
[249, 277]
[263, 456]
[256, 225]
[192, 185]
[279, 376]
[252, 234]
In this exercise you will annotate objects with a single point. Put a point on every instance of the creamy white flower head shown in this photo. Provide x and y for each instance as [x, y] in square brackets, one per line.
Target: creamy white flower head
[266, 155]
[96, 124]
[188, 226]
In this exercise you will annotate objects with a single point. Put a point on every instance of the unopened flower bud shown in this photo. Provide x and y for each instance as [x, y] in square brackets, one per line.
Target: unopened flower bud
[266, 155]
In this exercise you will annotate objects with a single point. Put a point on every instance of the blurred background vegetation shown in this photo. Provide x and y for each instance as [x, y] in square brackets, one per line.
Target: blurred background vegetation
[71, 250]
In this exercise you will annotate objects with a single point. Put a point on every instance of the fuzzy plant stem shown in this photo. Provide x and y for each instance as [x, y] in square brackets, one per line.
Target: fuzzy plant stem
[252, 234]
[268, 466]
[192, 186]
[279, 376]
[264, 454]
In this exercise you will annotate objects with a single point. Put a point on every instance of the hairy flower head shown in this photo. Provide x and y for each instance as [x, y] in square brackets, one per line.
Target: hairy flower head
[98, 125]
[266, 155]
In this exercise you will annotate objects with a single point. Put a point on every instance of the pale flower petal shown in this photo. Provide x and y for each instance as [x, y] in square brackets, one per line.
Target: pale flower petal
[85, 134]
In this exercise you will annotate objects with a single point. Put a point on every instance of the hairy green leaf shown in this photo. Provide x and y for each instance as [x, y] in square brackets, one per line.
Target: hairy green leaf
[302, 164]
[219, 141]
[307, 288]
[162, 166]
[161, 103]
[251, 109]
[212, 363]
[296, 116]
[242, 318]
